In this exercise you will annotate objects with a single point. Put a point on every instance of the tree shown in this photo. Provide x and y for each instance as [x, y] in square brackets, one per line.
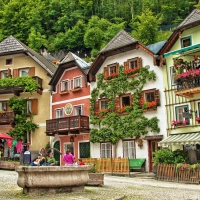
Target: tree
[146, 28]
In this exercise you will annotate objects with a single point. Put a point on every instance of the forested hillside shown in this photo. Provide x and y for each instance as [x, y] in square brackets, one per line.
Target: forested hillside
[87, 25]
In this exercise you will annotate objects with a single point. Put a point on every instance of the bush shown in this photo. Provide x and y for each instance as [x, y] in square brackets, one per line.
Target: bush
[166, 156]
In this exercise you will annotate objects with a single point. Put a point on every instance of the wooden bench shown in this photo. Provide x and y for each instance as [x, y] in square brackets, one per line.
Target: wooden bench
[137, 164]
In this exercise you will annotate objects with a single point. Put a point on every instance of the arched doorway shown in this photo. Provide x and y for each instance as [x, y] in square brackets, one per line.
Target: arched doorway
[56, 153]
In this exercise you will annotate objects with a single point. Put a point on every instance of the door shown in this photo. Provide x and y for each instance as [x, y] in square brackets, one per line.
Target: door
[153, 147]
[84, 149]
[56, 153]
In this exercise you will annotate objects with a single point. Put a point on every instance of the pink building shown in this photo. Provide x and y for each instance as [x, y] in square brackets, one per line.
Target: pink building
[69, 126]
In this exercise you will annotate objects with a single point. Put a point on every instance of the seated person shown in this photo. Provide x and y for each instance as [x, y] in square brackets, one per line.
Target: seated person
[51, 160]
[38, 161]
[80, 162]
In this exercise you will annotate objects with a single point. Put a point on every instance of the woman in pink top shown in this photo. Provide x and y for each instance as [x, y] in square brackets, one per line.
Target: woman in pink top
[68, 158]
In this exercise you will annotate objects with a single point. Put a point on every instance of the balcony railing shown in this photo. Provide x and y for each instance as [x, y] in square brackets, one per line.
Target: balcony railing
[6, 117]
[188, 86]
[67, 124]
[17, 90]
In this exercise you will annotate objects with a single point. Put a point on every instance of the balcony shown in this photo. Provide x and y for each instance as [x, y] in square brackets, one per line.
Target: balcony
[187, 87]
[6, 117]
[17, 90]
[67, 125]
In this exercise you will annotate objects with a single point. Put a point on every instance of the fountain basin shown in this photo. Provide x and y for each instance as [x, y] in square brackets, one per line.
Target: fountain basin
[52, 179]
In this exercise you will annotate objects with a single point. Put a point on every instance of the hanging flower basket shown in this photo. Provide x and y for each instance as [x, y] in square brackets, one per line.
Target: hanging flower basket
[140, 142]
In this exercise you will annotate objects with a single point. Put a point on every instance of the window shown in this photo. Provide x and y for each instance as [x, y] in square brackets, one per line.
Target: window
[9, 61]
[84, 149]
[77, 82]
[27, 138]
[69, 146]
[103, 104]
[78, 110]
[186, 41]
[65, 85]
[32, 106]
[179, 110]
[23, 72]
[105, 150]
[125, 101]
[112, 69]
[3, 106]
[172, 75]
[59, 113]
[4, 74]
[150, 96]
[128, 149]
[133, 63]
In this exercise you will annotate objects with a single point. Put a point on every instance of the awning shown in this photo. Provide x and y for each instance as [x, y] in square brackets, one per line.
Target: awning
[181, 139]
[182, 50]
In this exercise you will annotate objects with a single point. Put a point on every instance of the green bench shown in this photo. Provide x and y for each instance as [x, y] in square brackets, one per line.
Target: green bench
[137, 164]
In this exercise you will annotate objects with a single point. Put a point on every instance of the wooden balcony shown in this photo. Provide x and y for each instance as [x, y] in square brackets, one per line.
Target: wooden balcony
[67, 125]
[187, 87]
[6, 117]
[17, 90]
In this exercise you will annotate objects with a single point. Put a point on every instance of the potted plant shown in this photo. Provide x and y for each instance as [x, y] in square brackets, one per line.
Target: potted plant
[96, 178]
[176, 123]
[198, 120]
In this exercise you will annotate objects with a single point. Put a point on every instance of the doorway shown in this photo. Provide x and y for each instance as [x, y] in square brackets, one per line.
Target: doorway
[153, 147]
[56, 153]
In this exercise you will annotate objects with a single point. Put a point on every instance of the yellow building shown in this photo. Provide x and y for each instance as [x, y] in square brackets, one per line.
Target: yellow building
[16, 60]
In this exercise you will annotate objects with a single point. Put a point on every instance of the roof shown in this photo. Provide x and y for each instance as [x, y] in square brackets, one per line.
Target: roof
[120, 40]
[181, 139]
[156, 47]
[69, 61]
[194, 16]
[11, 45]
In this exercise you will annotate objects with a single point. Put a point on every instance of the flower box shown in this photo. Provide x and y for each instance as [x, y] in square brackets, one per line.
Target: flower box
[64, 92]
[198, 120]
[76, 89]
[178, 123]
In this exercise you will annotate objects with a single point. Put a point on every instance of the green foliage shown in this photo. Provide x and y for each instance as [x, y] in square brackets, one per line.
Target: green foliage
[22, 123]
[114, 127]
[166, 156]
[145, 29]
[27, 82]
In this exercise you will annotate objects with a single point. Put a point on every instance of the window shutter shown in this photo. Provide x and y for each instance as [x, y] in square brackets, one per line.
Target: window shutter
[96, 105]
[139, 60]
[32, 71]
[34, 106]
[126, 66]
[117, 68]
[117, 102]
[72, 86]
[105, 72]
[141, 98]
[157, 97]
[131, 100]
[15, 73]
[9, 72]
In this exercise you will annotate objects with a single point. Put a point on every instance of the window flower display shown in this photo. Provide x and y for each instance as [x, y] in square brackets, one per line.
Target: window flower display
[176, 123]
[148, 105]
[189, 74]
[111, 76]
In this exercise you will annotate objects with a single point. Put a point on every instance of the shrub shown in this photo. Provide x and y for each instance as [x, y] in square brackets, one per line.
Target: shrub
[163, 156]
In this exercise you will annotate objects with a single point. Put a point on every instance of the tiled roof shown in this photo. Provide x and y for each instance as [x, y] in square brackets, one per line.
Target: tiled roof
[194, 16]
[72, 57]
[12, 45]
[120, 40]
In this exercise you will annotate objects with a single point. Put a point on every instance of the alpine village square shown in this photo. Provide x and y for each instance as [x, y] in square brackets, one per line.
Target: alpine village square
[114, 84]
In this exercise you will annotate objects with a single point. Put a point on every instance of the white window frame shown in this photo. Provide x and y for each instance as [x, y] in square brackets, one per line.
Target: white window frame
[63, 86]
[3, 105]
[186, 37]
[59, 113]
[28, 137]
[77, 82]
[106, 149]
[76, 108]
[23, 69]
[179, 115]
[172, 75]
[105, 106]
[29, 107]
[4, 74]
[129, 149]
[110, 69]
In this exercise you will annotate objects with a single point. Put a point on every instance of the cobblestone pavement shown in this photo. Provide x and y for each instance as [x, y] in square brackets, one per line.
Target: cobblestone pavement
[115, 188]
